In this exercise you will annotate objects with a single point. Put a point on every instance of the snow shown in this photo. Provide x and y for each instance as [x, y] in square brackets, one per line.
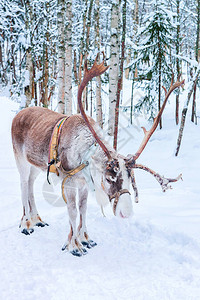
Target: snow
[154, 255]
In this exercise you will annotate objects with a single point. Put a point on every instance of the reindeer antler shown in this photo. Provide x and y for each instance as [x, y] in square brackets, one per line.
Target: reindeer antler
[148, 134]
[96, 70]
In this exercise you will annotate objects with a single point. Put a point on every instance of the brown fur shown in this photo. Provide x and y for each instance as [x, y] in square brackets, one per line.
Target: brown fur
[32, 129]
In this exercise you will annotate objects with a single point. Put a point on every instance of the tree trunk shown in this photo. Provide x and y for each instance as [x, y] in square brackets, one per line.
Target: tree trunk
[99, 113]
[2, 71]
[46, 78]
[177, 53]
[132, 89]
[79, 79]
[61, 56]
[114, 65]
[46, 62]
[35, 86]
[68, 59]
[159, 79]
[29, 78]
[119, 85]
[87, 48]
[82, 51]
[75, 68]
[184, 112]
[89, 26]
[193, 117]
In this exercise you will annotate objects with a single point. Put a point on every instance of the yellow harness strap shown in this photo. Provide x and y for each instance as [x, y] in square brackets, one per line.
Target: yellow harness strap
[53, 146]
[70, 174]
[53, 163]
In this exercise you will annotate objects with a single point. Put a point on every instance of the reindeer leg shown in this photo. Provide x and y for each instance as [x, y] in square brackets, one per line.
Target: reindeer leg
[24, 170]
[161, 179]
[82, 230]
[36, 220]
[73, 244]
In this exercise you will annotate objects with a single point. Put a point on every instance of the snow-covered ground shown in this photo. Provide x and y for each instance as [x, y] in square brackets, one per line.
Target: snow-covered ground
[154, 255]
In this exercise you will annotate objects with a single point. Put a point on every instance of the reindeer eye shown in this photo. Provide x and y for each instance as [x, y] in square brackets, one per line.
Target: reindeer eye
[116, 169]
[108, 180]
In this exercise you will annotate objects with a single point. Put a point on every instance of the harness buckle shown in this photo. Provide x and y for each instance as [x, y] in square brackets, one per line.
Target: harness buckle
[48, 170]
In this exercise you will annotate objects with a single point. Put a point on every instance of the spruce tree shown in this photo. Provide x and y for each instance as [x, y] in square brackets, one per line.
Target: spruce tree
[153, 56]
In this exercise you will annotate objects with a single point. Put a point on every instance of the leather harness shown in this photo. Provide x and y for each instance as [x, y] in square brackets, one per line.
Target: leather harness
[53, 147]
[54, 164]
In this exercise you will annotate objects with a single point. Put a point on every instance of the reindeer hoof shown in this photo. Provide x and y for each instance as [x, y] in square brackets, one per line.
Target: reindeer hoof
[86, 244]
[41, 224]
[64, 247]
[27, 231]
[84, 251]
[76, 252]
[92, 243]
[89, 244]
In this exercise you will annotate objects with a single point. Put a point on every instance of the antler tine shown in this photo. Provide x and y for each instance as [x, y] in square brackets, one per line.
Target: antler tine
[161, 179]
[148, 134]
[96, 70]
[164, 88]
[144, 130]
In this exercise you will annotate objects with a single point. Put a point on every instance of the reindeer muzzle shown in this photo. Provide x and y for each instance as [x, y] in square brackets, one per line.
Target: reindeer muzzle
[116, 197]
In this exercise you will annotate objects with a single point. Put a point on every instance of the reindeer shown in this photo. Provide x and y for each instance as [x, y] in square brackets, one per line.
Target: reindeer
[112, 173]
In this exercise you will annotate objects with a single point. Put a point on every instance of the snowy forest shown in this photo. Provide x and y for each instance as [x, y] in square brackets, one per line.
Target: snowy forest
[43, 46]
[150, 252]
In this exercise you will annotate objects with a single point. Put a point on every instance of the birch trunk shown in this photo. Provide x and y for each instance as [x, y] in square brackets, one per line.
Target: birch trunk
[194, 117]
[68, 59]
[46, 78]
[29, 78]
[114, 65]
[159, 78]
[61, 56]
[177, 60]
[184, 112]
[82, 50]
[99, 113]
[3, 72]
[87, 47]
[46, 62]
[119, 85]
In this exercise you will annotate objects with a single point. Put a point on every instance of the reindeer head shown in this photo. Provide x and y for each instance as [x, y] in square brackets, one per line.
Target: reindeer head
[114, 181]
[116, 171]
